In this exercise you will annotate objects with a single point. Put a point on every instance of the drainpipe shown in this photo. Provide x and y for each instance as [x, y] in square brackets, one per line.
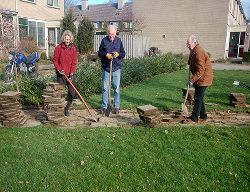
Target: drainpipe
[17, 27]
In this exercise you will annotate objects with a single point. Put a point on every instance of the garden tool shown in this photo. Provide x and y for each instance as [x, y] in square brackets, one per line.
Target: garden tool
[242, 84]
[80, 97]
[110, 100]
[183, 105]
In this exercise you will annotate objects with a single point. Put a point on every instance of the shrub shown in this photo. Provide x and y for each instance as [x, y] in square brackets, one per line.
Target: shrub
[28, 45]
[32, 89]
[220, 60]
[88, 77]
[246, 56]
[209, 54]
[43, 56]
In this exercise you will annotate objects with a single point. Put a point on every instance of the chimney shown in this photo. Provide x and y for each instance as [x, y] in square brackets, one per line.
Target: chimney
[120, 4]
[85, 5]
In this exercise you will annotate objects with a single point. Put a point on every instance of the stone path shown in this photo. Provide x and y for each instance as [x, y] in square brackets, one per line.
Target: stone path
[130, 118]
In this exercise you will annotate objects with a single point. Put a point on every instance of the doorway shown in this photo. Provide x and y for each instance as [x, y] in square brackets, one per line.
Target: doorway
[236, 44]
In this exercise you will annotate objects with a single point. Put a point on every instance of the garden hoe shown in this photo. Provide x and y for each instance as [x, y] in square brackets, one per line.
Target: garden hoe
[183, 105]
[110, 100]
[80, 97]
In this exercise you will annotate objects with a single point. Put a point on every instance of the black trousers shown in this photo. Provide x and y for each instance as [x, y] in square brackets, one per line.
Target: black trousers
[71, 92]
[199, 105]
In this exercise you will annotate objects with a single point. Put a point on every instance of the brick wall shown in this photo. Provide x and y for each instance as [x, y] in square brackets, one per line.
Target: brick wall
[37, 10]
[177, 19]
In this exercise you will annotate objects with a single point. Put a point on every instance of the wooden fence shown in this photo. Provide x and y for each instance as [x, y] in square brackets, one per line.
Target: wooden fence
[135, 45]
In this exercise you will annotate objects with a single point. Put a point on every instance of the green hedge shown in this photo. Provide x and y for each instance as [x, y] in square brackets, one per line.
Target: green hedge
[89, 76]
[246, 57]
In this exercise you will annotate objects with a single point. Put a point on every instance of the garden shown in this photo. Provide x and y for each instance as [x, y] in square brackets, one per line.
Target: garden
[205, 157]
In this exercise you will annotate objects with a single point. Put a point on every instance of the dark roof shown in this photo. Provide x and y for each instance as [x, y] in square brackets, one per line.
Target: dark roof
[104, 12]
[8, 12]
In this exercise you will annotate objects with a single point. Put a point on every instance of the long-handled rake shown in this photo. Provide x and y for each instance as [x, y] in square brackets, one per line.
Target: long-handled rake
[80, 97]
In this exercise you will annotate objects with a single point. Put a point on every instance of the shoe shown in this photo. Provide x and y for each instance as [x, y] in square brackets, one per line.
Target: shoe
[66, 112]
[103, 111]
[116, 110]
[189, 121]
[202, 120]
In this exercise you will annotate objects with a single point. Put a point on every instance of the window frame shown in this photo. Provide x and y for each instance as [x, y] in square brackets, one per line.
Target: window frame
[27, 26]
[29, 1]
[52, 4]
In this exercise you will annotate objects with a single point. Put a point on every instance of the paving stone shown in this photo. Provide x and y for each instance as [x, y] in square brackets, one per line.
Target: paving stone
[147, 110]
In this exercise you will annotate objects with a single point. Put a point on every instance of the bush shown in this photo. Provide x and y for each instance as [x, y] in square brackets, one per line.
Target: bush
[32, 89]
[246, 57]
[43, 56]
[209, 55]
[28, 45]
[88, 77]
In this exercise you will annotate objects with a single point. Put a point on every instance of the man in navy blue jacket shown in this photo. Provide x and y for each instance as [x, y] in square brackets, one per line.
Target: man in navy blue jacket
[111, 46]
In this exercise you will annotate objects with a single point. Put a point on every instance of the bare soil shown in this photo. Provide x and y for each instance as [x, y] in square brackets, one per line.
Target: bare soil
[130, 118]
[126, 118]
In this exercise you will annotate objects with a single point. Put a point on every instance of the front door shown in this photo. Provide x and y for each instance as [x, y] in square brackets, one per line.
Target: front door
[236, 44]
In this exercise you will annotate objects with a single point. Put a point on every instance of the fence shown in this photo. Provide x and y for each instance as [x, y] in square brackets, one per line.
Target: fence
[134, 45]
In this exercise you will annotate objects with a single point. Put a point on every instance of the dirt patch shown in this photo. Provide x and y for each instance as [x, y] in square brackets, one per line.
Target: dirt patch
[130, 118]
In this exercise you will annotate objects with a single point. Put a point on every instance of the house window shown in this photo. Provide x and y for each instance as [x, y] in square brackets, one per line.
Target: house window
[99, 25]
[53, 3]
[29, 0]
[129, 25]
[33, 28]
[41, 33]
[23, 27]
[54, 36]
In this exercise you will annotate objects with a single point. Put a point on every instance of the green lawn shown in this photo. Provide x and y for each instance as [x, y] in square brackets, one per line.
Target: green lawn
[165, 91]
[116, 159]
[179, 158]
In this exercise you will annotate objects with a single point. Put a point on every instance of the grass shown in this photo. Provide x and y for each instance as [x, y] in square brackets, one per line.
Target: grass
[165, 91]
[178, 158]
[115, 159]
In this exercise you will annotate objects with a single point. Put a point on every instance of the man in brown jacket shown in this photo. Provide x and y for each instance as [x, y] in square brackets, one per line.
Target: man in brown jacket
[201, 68]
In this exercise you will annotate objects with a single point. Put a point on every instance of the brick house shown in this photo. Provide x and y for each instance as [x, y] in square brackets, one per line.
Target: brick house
[39, 18]
[113, 13]
[220, 26]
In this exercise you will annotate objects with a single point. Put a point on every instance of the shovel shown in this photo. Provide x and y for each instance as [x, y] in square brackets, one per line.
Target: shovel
[80, 97]
[110, 100]
[183, 105]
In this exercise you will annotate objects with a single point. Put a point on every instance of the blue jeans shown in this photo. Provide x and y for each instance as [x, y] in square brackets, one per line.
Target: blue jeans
[116, 76]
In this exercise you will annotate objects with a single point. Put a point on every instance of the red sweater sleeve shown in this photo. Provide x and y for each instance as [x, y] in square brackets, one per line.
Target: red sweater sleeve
[74, 61]
[56, 57]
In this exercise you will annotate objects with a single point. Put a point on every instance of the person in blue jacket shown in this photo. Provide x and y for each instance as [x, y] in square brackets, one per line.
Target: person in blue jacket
[111, 47]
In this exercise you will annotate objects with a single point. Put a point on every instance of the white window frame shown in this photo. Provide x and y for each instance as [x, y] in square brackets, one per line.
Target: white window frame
[29, 1]
[53, 3]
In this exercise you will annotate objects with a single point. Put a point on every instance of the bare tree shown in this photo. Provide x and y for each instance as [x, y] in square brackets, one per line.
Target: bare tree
[69, 3]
